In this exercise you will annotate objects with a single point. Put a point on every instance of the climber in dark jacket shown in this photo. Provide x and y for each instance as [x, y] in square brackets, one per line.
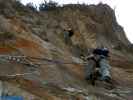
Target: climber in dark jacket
[68, 33]
[99, 57]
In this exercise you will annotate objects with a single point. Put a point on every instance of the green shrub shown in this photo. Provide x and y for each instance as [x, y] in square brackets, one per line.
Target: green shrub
[20, 8]
[50, 5]
[31, 6]
[6, 35]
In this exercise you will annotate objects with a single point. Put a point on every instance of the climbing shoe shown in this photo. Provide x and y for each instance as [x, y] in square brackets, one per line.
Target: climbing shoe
[88, 78]
[107, 79]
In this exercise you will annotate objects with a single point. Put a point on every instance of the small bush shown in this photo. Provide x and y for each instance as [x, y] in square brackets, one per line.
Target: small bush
[50, 5]
[20, 8]
[18, 5]
[31, 6]
[6, 35]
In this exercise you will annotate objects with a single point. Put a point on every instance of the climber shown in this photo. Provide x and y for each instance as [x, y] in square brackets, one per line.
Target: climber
[99, 58]
[68, 33]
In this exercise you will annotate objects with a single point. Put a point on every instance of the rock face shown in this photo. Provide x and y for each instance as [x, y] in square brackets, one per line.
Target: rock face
[36, 63]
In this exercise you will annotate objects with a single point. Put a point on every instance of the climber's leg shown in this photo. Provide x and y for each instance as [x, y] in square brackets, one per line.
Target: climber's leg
[89, 68]
[105, 69]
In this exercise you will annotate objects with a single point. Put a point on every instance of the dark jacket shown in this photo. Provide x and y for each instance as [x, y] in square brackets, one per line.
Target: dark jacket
[101, 51]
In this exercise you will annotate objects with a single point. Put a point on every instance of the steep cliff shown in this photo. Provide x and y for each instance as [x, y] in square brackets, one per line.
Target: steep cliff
[36, 63]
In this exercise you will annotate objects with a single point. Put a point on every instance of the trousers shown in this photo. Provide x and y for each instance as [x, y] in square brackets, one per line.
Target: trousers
[104, 67]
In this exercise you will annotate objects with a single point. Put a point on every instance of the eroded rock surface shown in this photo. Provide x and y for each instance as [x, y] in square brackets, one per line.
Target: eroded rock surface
[38, 35]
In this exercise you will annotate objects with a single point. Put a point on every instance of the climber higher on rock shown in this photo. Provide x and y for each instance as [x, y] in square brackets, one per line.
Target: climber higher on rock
[68, 33]
[99, 58]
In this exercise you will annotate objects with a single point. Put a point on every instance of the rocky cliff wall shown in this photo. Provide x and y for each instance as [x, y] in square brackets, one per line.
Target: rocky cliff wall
[31, 41]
